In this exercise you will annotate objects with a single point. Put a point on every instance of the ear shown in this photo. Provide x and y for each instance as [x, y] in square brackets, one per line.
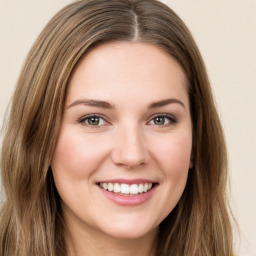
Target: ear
[191, 164]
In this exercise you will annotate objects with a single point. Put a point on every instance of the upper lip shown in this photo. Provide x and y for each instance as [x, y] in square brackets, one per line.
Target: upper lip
[127, 181]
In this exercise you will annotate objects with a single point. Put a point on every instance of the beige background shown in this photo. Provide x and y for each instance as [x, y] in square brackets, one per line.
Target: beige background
[225, 31]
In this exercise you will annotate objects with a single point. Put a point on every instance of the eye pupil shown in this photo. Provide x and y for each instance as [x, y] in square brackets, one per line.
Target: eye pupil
[93, 120]
[160, 120]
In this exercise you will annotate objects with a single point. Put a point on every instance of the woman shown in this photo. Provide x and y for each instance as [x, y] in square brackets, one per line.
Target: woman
[113, 143]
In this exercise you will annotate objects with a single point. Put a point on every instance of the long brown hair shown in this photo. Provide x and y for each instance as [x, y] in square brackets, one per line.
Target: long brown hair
[31, 219]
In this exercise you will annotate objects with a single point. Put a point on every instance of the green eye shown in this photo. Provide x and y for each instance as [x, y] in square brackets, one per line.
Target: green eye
[93, 121]
[162, 120]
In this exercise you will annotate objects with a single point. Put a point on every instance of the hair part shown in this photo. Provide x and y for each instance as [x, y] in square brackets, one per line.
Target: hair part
[30, 219]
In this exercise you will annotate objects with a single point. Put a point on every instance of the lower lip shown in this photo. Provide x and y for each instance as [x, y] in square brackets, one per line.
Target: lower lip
[129, 200]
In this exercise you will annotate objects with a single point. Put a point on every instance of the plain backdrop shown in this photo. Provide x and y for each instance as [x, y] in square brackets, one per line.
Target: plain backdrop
[225, 31]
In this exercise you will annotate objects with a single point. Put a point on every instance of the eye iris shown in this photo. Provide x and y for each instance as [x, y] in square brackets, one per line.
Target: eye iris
[93, 120]
[160, 120]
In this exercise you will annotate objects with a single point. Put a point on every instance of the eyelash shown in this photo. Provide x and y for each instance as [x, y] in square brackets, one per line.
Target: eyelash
[84, 120]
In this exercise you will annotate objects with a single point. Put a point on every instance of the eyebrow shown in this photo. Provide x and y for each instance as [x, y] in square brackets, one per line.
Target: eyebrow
[107, 105]
[166, 102]
[92, 103]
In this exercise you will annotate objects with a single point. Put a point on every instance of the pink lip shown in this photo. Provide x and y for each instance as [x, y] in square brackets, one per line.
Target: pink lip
[128, 200]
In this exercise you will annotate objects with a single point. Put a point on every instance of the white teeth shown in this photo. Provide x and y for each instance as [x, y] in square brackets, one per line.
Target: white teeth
[141, 188]
[126, 189]
[134, 189]
[110, 187]
[145, 187]
[117, 188]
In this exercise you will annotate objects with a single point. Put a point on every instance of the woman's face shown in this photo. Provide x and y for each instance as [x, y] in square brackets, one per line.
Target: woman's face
[123, 153]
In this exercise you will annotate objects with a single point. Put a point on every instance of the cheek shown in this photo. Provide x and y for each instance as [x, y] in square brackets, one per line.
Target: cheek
[174, 154]
[76, 155]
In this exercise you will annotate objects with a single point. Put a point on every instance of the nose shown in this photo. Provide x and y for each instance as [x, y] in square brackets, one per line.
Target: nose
[130, 148]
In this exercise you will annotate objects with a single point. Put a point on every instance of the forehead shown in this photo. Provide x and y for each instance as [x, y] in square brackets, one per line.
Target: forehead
[127, 69]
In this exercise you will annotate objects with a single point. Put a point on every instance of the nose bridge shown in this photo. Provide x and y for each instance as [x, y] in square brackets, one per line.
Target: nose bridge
[130, 146]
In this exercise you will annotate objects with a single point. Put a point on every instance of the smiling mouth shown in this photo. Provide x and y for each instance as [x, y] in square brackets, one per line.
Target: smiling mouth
[127, 189]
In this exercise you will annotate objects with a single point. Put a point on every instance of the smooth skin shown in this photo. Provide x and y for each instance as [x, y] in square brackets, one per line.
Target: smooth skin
[126, 116]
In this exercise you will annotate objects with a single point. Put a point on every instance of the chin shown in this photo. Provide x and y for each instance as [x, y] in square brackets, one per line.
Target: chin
[131, 231]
